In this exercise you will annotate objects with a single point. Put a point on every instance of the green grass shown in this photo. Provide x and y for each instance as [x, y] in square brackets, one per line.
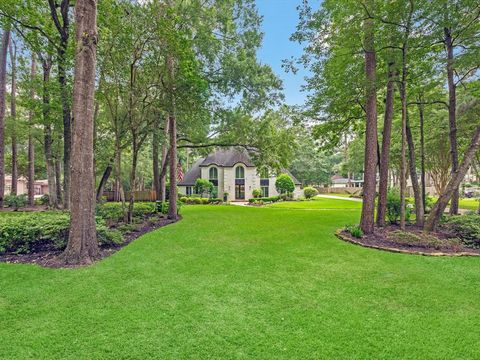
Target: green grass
[468, 203]
[232, 282]
[318, 203]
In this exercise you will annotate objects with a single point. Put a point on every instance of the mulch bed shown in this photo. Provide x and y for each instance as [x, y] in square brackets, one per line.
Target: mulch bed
[389, 239]
[49, 258]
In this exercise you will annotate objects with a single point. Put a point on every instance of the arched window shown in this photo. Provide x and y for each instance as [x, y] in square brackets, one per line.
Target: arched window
[239, 172]
[213, 173]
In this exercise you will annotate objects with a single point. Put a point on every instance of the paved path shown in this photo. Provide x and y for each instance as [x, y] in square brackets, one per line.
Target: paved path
[339, 198]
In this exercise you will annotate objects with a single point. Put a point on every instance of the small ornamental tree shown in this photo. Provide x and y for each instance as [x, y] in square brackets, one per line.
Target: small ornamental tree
[203, 187]
[256, 193]
[284, 184]
[310, 192]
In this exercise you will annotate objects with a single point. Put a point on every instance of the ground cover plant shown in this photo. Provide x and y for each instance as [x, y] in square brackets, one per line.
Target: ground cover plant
[245, 282]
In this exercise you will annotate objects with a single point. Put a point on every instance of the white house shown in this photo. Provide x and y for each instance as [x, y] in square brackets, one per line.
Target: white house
[233, 173]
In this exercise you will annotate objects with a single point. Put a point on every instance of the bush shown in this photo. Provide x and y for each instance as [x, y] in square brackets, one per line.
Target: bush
[34, 231]
[393, 206]
[15, 201]
[310, 192]
[269, 199]
[354, 230]
[466, 227]
[45, 199]
[284, 184]
[256, 193]
[203, 186]
[198, 201]
[113, 211]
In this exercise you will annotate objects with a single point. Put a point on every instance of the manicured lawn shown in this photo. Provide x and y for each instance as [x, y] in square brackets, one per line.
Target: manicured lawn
[469, 204]
[319, 203]
[244, 282]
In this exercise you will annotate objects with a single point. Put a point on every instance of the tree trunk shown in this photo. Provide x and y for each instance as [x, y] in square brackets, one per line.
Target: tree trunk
[82, 247]
[368, 203]
[3, 83]
[419, 209]
[31, 145]
[452, 119]
[403, 167]
[156, 162]
[422, 153]
[103, 181]
[453, 184]
[163, 173]
[119, 194]
[13, 115]
[385, 154]
[172, 124]
[133, 173]
[58, 179]
[47, 132]
[62, 24]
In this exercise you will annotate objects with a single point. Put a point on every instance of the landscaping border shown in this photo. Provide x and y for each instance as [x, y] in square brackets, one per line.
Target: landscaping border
[339, 234]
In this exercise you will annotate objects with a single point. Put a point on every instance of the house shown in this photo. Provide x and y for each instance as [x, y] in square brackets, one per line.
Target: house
[40, 186]
[233, 175]
[341, 182]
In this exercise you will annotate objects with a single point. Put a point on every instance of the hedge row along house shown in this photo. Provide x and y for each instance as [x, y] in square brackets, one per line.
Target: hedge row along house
[233, 175]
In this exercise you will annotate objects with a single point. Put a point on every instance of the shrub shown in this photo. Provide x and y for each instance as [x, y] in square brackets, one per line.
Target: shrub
[256, 193]
[354, 230]
[34, 231]
[203, 187]
[284, 184]
[393, 205]
[310, 192]
[16, 201]
[465, 227]
[162, 206]
[113, 211]
[269, 199]
[45, 199]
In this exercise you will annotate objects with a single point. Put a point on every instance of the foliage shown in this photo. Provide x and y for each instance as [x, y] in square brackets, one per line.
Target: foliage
[310, 192]
[33, 231]
[256, 193]
[203, 187]
[190, 200]
[284, 184]
[115, 212]
[466, 227]
[393, 206]
[270, 199]
[354, 230]
[15, 201]
[409, 238]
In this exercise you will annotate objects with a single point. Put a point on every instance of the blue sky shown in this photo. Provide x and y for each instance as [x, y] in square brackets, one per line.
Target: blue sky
[279, 20]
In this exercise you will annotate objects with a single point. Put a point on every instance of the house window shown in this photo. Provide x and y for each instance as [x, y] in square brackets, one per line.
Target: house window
[213, 178]
[264, 191]
[189, 190]
[239, 172]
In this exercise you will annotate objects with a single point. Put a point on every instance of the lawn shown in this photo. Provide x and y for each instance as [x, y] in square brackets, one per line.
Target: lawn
[245, 282]
[469, 204]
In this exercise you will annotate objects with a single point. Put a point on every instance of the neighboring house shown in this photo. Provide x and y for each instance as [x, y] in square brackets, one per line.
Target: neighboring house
[341, 182]
[40, 186]
[232, 172]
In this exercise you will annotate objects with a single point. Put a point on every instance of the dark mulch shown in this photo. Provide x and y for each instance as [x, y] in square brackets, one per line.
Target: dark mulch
[50, 258]
[390, 238]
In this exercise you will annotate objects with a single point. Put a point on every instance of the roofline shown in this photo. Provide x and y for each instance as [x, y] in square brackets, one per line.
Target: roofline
[225, 166]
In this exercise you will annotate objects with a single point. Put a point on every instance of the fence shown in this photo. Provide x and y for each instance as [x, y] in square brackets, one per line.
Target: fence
[141, 195]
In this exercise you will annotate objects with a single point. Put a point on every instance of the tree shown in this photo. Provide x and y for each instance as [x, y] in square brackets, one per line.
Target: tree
[31, 145]
[3, 80]
[13, 114]
[82, 247]
[203, 187]
[370, 164]
[284, 184]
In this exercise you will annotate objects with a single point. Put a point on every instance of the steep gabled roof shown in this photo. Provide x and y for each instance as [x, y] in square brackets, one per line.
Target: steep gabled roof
[228, 158]
[192, 175]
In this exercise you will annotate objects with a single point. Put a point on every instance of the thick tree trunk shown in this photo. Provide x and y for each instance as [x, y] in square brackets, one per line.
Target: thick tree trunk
[403, 167]
[13, 115]
[3, 83]
[172, 194]
[419, 209]
[103, 181]
[453, 184]
[452, 119]
[47, 133]
[385, 154]
[31, 145]
[368, 203]
[133, 178]
[82, 247]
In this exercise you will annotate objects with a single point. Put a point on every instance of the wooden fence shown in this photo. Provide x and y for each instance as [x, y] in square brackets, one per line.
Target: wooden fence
[141, 195]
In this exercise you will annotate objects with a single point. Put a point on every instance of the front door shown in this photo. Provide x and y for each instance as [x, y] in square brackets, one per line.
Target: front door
[239, 192]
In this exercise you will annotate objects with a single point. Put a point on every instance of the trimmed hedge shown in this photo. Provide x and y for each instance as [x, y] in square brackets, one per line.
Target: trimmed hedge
[265, 199]
[34, 231]
[199, 201]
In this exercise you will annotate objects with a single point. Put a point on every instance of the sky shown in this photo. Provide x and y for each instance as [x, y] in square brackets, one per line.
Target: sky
[280, 18]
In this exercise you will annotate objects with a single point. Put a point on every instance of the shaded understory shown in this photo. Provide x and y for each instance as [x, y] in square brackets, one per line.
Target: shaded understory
[243, 282]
